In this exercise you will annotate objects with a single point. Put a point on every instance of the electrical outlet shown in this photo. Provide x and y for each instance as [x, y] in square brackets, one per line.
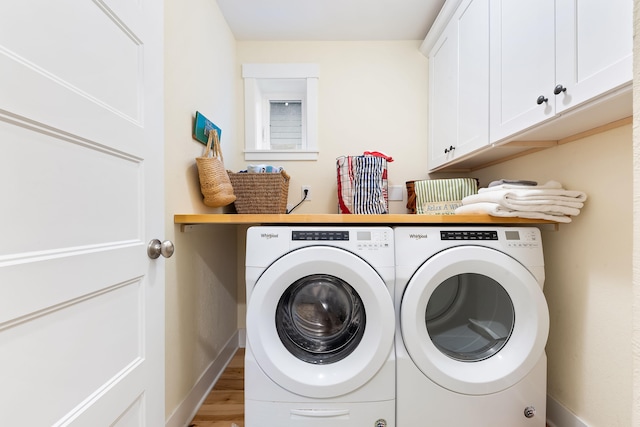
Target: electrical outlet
[395, 192]
[308, 188]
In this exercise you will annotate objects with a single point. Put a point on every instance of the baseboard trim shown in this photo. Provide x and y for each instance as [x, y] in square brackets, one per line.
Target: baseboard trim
[185, 412]
[560, 416]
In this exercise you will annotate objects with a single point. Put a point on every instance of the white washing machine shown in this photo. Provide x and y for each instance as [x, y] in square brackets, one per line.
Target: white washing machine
[320, 327]
[472, 327]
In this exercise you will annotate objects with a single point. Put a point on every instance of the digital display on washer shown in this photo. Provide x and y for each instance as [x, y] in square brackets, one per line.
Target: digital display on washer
[469, 235]
[319, 235]
[512, 235]
[363, 235]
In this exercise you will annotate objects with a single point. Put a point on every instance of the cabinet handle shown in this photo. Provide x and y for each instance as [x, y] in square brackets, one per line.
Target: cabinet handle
[449, 150]
[559, 89]
[542, 99]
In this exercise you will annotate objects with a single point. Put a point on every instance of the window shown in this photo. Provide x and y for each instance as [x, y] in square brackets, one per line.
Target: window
[285, 125]
[281, 109]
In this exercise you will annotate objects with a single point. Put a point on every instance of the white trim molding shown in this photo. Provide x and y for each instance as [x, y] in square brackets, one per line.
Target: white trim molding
[259, 78]
[559, 416]
[281, 71]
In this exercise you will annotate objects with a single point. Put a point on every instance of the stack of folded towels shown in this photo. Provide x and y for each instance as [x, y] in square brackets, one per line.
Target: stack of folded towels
[525, 199]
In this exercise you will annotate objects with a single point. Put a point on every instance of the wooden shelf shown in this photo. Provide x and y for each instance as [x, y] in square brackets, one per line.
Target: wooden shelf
[338, 219]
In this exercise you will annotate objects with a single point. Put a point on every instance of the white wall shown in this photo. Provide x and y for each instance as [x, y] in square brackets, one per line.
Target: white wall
[372, 96]
[588, 275]
[200, 74]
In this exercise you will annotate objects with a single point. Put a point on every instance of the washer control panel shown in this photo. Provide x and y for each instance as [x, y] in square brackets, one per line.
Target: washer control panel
[363, 239]
[318, 235]
[373, 240]
[522, 238]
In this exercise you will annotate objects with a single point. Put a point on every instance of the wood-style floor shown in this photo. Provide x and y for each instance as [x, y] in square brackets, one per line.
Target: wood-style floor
[224, 407]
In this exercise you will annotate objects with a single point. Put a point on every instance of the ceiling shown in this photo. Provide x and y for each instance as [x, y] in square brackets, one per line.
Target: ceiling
[330, 20]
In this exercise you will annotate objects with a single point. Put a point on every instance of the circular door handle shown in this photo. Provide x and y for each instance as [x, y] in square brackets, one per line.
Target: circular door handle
[559, 89]
[157, 248]
[542, 99]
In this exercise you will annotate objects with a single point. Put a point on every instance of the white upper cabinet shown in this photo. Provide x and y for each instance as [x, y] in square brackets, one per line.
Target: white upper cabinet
[522, 65]
[459, 83]
[443, 100]
[550, 56]
[594, 49]
[507, 77]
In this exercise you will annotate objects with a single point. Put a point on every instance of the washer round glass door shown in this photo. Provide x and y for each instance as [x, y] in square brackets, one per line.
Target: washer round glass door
[320, 321]
[474, 320]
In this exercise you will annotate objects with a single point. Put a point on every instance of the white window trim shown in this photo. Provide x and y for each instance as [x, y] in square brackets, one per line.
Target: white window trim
[253, 101]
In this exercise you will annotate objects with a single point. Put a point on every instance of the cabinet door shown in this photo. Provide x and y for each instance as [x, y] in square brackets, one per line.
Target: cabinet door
[522, 65]
[594, 53]
[443, 99]
[459, 85]
[473, 76]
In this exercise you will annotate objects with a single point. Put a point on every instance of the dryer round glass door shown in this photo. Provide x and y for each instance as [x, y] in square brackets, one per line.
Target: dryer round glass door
[469, 317]
[474, 320]
[320, 321]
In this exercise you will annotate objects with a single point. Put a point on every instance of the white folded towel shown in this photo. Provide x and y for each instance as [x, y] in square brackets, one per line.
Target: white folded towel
[495, 209]
[552, 190]
[547, 198]
[512, 186]
[547, 201]
[551, 204]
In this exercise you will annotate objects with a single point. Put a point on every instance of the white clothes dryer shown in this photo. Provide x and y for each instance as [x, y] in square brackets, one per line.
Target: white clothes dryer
[320, 327]
[472, 327]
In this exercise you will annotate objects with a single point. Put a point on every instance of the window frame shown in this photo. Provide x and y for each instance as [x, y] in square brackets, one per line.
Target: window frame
[255, 76]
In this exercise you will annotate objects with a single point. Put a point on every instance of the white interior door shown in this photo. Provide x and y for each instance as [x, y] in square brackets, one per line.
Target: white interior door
[81, 143]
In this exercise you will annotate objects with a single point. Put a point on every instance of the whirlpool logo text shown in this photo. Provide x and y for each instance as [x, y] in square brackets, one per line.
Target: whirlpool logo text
[417, 236]
[269, 235]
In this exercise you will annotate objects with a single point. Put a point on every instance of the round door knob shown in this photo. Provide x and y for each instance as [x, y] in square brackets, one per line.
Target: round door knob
[157, 248]
[559, 89]
[542, 99]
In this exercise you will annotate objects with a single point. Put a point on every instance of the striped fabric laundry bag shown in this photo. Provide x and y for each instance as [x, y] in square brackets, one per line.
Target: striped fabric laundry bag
[442, 196]
[362, 185]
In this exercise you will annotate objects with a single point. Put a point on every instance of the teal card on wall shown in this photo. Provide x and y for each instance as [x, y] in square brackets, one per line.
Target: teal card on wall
[201, 128]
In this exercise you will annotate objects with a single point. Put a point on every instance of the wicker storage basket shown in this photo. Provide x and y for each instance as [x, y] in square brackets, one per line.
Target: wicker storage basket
[260, 193]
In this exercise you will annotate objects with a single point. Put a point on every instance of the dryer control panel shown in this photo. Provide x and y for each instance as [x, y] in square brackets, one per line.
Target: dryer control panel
[468, 235]
[517, 238]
